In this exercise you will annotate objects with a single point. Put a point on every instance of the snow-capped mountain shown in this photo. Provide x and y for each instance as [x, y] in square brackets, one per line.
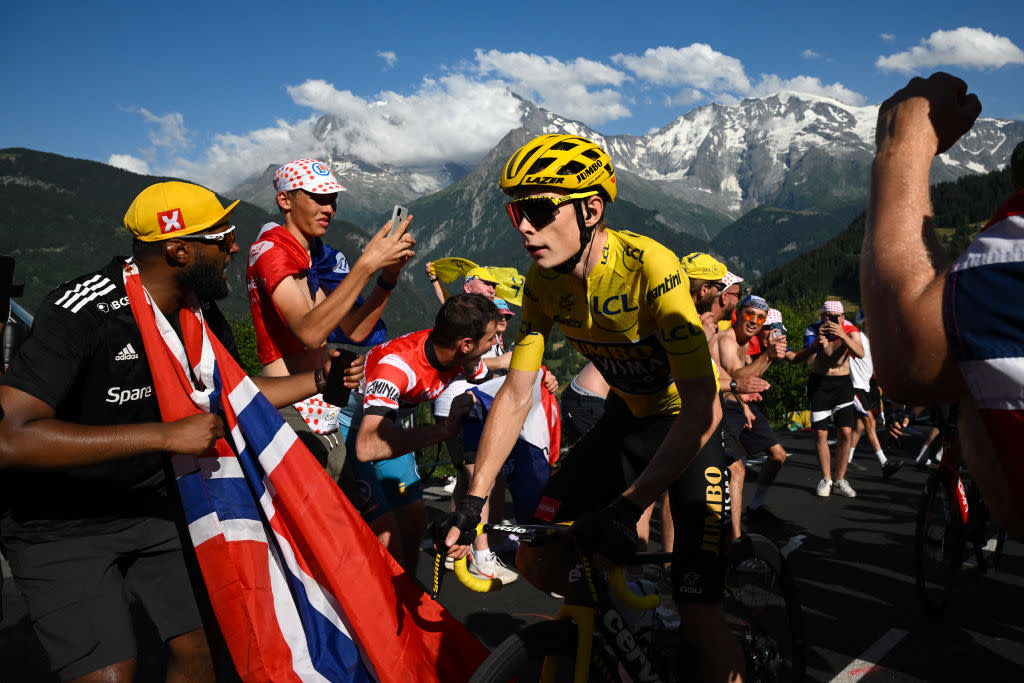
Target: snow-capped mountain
[728, 158]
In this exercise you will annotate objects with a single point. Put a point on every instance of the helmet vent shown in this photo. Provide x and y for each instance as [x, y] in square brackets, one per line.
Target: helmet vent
[540, 165]
[563, 145]
[571, 168]
[591, 154]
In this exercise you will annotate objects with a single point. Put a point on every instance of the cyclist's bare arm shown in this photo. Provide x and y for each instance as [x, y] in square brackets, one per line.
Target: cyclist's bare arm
[903, 266]
[693, 426]
[512, 403]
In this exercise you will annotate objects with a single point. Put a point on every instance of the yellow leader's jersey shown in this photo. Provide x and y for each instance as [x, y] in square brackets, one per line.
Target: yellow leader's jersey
[633, 318]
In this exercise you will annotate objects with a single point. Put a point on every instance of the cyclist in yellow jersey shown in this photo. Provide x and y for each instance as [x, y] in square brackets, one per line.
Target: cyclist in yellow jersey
[623, 301]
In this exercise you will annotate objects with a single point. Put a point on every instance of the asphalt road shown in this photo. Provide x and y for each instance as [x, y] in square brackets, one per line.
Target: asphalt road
[852, 561]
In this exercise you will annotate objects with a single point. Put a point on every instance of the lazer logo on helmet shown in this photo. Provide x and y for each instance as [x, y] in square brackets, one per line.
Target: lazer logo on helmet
[543, 180]
[121, 396]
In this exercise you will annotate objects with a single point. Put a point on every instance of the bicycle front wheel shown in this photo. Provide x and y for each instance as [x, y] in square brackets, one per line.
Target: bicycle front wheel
[520, 657]
[763, 610]
[938, 543]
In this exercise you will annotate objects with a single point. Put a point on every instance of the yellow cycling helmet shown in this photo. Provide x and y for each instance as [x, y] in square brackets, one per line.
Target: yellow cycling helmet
[566, 162]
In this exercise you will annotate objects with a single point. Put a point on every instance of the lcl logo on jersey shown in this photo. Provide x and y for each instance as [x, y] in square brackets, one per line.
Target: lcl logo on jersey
[614, 305]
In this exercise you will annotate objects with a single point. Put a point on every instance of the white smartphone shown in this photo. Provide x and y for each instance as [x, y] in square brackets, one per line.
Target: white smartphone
[398, 215]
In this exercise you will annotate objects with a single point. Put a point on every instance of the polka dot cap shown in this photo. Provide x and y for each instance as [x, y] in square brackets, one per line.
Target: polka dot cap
[833, 307]
[310, 175]
[731, 279]
[774, 316]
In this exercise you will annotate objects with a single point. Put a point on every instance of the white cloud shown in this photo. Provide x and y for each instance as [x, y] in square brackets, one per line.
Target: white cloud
[169, 129]
[697, 65]
[686, 97]
[389, 57]
[968, 48]
[129, 163]
[711, 74]
[452, 119]
[770, 84]
[561, 87]
[888, 36]
[809, 54]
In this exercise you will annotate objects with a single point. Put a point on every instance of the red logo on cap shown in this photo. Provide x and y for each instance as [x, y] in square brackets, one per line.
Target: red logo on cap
[170, 220]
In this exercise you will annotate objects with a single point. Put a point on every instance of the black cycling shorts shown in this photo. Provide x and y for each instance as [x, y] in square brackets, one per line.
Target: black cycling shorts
[602, 464]
[77, 591]
[758, 438]
[579, 412]
[830, 396]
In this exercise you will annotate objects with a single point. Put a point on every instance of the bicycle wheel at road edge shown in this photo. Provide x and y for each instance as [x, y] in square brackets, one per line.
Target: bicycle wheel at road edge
[763, 610]
[938, 543]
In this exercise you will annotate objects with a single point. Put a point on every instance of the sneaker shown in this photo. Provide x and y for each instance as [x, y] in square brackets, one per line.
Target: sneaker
[449, 486]
[491, 568]
[824, 488]
[843, 488]
[763, 518]
[891, 467]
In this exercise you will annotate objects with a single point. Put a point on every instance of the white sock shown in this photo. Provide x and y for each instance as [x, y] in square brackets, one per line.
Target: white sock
[923, 455]
[851, 454]
[481, 555]
[881, 457]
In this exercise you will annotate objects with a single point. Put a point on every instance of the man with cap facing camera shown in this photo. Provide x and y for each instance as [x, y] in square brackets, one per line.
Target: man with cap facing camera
[91, 515]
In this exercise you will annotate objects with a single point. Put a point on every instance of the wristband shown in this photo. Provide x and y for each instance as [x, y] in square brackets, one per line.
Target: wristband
[384, 284]
[433, 279]
[474, 504]
[320, 380]
[733, 386]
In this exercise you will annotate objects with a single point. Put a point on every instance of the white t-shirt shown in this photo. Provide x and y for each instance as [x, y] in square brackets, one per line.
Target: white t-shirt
[861, 369]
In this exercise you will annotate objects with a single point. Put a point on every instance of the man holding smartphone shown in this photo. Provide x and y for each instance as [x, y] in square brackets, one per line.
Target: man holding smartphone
[294, 307]
[828, 345]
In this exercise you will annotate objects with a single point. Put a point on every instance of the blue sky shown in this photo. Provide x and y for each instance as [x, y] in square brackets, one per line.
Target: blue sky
[216, 91]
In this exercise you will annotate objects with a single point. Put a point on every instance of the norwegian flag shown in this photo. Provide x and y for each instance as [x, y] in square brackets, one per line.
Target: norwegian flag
[528, 466]
[301, 588]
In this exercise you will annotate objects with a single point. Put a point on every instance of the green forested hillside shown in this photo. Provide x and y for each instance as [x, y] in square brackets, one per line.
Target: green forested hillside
[960, 208]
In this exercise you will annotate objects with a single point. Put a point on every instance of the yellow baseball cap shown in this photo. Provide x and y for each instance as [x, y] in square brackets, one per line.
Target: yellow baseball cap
[174, 209]
[482, 273]
[703, 266]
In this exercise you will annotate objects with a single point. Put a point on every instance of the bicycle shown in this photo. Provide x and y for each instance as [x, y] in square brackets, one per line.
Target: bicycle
[951, 515]
[593, 637]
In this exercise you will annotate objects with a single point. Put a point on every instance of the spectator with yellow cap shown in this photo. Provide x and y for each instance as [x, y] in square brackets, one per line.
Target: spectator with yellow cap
[89, 519]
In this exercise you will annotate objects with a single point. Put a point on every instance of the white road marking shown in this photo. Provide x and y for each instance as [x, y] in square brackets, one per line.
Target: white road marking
[868, 661]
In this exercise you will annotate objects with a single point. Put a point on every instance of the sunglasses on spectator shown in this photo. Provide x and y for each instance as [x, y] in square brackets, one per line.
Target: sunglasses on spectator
[225, 239]
[540, 210]
[754, 316]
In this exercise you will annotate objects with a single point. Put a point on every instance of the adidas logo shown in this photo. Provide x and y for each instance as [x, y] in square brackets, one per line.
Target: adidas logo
[127, 353]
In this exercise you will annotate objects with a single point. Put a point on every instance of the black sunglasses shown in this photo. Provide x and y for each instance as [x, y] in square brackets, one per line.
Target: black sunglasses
[540, 210]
